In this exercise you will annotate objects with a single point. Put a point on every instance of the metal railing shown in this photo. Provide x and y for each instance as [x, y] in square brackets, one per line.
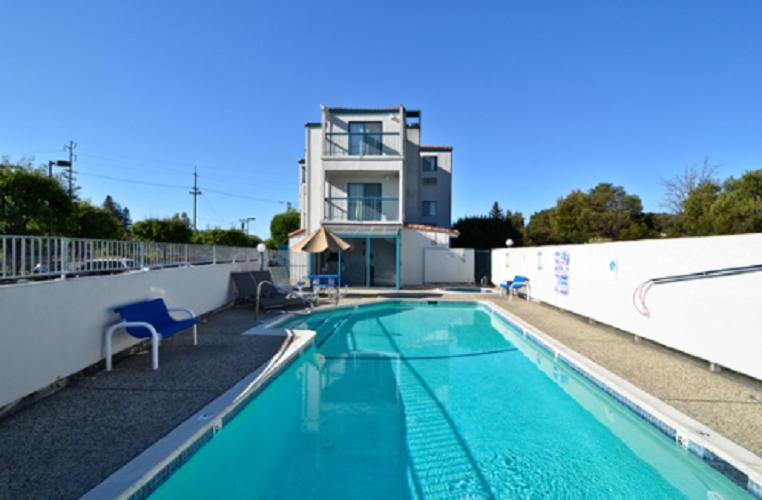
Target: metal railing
[362, 144]
[27, 257]
[362, 209]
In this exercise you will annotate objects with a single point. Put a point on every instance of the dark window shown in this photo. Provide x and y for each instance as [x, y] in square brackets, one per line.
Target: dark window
[429, 163]
[429, 181]
[429, 208]
[365, 138]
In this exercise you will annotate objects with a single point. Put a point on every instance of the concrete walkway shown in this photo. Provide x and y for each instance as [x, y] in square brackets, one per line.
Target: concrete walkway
[65, 444]
[727, 402]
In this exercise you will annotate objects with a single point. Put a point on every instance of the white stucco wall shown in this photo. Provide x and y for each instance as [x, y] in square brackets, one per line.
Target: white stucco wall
[717, 319]
[52, 329]
[413, 245]
[448, 265]
[315, 180]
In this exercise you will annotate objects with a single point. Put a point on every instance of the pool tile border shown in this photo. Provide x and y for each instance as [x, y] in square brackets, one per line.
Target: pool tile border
[679, 434]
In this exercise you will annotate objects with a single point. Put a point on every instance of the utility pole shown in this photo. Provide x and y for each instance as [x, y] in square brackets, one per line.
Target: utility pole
[71, 147]
[196, 193]
[245, 224]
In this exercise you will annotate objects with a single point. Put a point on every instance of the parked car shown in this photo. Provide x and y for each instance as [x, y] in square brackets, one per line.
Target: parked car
[106, 265]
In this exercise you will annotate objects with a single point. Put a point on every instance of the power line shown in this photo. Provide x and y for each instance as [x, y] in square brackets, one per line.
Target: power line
[131, 181]
[127, 160]
[274, 182]
[177, 186]
[244, 197]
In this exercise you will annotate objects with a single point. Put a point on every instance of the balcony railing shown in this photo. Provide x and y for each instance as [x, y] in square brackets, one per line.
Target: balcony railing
[362, 144]
[45, 257]
[362, 209]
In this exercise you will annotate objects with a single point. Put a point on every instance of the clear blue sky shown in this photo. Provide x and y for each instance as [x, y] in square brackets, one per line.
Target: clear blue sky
[537, 97]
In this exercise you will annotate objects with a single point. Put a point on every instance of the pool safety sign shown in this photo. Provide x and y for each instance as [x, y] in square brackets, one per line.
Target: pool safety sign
[562, 272]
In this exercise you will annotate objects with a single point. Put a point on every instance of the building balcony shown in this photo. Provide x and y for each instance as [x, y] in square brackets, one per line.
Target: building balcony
[362, 209]
[362, 145]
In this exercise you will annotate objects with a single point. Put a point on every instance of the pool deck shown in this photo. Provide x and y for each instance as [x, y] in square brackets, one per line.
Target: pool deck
[65, 444]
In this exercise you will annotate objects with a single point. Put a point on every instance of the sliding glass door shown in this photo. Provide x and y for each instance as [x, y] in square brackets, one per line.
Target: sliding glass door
[365, 138]
[364, 201]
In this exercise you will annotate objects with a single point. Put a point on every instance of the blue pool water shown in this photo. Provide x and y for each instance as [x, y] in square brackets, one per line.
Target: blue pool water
[447, 400]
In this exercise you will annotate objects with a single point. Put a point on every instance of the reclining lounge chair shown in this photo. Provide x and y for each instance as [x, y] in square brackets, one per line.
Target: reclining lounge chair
[246, 284]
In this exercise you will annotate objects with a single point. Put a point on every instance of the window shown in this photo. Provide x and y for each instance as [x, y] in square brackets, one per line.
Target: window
[429, 181]
[429, 208]
[364, 201]
[365, 138]
[429, 163]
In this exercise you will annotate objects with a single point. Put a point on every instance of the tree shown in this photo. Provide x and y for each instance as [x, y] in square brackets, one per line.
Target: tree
[281, 225]
[678, 188]
[496, 212]
[571, 219]
[176, 229]
[31, 202]
[604, 213]
[614, 214]
[121, 213]
[95, 222]
[485, 232]
[695, 218]
[738, 209]
[540, 228]
[229, 237]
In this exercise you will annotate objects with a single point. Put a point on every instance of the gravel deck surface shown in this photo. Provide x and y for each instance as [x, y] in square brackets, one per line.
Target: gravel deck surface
[65, 444]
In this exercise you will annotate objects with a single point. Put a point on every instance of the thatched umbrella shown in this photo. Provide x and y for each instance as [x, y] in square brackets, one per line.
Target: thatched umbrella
[322, 240]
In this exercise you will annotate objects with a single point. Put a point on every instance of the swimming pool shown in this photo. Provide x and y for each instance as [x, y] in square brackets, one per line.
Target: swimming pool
[435, 400]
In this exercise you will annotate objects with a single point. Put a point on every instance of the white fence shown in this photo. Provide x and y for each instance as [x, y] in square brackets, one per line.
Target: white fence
[448, 265]
[25, 257]
[54, 328]
[716, 317]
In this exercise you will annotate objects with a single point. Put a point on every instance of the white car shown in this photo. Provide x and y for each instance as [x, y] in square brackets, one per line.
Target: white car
[106, 265]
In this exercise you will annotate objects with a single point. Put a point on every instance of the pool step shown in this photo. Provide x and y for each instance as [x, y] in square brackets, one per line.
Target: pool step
[441, 465]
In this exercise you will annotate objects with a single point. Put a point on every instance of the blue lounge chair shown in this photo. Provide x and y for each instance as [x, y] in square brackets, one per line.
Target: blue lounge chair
[150, 319]
[519, 283]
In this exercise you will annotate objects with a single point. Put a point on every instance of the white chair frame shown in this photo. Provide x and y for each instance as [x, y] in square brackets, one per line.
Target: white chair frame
[155, 336]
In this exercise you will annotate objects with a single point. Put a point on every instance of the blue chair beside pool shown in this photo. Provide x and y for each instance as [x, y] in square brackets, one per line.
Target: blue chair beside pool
[150, 319]
[513, 287]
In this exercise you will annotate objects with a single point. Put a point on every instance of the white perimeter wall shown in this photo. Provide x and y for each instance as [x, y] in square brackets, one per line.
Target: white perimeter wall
[52, 329]
[716, 319]
[413, 245]
[449, 265]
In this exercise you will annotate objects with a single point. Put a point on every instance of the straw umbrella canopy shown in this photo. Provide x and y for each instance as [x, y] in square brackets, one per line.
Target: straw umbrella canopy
[322, 240]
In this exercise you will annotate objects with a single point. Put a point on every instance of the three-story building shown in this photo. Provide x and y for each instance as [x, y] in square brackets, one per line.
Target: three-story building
[366, 176]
